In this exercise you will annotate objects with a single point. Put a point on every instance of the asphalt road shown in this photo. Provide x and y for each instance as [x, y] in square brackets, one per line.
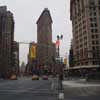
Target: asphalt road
[26, 89]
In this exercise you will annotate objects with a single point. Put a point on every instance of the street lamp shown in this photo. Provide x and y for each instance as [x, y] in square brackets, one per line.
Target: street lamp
[59, 37]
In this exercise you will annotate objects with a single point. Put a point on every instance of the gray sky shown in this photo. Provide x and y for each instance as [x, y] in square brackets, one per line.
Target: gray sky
[27, 12]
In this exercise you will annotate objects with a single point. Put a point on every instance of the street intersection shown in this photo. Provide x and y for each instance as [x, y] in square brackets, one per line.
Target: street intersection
[26, 89]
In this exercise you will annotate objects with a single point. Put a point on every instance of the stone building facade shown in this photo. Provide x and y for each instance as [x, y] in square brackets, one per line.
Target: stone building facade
[46, 50]
[15, 56]
[85, 17]
[6, 38]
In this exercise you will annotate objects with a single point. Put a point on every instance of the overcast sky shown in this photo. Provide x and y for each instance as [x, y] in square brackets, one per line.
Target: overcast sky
[27, 12]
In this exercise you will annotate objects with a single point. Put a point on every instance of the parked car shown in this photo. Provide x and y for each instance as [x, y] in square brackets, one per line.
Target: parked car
[35, 77]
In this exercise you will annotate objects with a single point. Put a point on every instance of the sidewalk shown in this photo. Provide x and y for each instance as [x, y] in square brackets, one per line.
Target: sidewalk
[80, 89]
[80, 83]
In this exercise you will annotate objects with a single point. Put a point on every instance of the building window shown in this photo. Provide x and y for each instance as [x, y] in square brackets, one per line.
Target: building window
[85, 38]
[95, 24]
[85, 43]
[94, 62]
[94, 13]
[93, 36]
[93, 42]
[94, 30]
[96, 36]
[91, 2]
[93, 48]
[97, 47]
[97, 42]
[92, 24]
[99, 8]
[93, 19]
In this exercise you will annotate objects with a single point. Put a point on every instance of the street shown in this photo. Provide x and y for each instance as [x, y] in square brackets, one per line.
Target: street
[26, 89]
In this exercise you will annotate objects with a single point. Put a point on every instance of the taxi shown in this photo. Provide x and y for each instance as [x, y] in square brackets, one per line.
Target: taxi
[35, 77]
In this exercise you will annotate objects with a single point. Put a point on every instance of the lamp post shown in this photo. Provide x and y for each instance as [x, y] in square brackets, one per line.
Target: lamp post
[60, 86]
[59, 37]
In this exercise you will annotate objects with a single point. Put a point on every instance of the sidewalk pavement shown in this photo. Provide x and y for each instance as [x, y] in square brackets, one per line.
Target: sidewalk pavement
[80, 89]
[80, 83]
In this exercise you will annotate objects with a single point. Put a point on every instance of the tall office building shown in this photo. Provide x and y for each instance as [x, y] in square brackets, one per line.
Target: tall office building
[6, 38]
[85, 16]
[45, 47]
